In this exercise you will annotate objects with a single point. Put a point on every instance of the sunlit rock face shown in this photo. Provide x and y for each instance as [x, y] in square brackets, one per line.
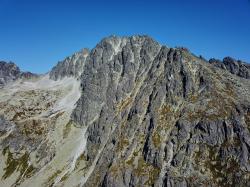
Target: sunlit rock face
[72, 66]
[130, 112]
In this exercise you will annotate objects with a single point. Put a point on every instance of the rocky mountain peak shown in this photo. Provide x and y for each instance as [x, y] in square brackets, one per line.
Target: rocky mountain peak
[153, 111]
[9, 72]
[117, 43]
[130, 112]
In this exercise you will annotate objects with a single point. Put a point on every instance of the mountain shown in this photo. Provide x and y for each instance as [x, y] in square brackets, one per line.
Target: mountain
[10, 72]
[130, 112]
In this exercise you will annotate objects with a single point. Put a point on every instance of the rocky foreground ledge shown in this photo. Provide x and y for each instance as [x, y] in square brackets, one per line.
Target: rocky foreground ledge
[130, 112]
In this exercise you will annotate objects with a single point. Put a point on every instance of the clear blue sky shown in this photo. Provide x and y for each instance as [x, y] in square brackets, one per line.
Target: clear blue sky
[36, 34]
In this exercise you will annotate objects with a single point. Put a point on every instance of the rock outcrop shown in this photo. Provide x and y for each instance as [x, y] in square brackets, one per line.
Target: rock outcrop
[235, 67]
[147, 115]
[8, 72]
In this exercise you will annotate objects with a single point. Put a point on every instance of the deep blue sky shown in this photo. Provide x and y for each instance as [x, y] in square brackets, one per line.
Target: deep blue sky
[35, 34]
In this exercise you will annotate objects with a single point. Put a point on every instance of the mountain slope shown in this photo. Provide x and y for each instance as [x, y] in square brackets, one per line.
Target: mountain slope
[34, 115]
[135, 113]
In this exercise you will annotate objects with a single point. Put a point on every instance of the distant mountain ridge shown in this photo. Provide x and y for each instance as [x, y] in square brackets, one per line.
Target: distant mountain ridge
[72, 66]
[236, 67]
[9, 72]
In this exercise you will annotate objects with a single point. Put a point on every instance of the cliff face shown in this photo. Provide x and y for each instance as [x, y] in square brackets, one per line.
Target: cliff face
[160, 116]
[146, 115]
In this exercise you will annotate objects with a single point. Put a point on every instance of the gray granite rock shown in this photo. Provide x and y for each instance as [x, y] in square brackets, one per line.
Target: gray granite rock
[236, 67]
[71, 66]
[159, 116]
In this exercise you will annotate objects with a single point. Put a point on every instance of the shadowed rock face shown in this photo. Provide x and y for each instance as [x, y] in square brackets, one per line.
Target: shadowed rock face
[151, 116]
